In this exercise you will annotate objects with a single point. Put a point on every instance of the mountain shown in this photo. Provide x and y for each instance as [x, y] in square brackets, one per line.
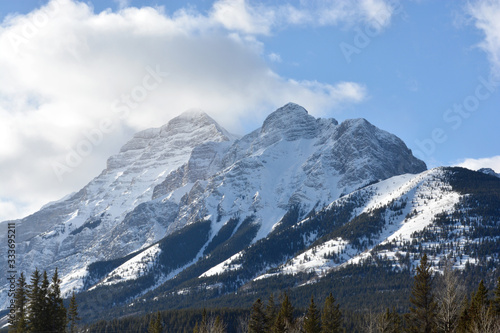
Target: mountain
[92, 224]
[489, 171]
[363, 246]
[187, 201]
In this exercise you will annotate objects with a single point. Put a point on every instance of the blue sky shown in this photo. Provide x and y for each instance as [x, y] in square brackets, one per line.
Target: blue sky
[423, 70]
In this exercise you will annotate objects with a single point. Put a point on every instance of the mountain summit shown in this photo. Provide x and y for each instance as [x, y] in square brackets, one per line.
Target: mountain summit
[192, 176]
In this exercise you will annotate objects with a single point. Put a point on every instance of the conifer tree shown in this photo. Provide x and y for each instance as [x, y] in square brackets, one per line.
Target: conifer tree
[279, 325]
[73, 314]
[56, 319]
[270, 312]
[155, 325]
[36, 306]
[396, 323]
[480, 298]
[287, 309]
[422, 316]
[389, 322]
[464, 318]
[496, 300]
[20, 324]
[218, 326]
[311, 321]
[384, 322]
[479, 307]
[285, 316]
[46, 314]
[203, 327]
[257, 323]
[331, 317]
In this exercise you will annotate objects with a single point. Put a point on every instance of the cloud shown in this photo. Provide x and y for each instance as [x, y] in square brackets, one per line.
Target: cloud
[254, 18]
[239, 15]
[476, 164]
[122, 3]
[486, 16]
[75, 85]
[274, 57]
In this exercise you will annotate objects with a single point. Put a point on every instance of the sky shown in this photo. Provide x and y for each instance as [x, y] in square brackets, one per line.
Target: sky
[79, 78]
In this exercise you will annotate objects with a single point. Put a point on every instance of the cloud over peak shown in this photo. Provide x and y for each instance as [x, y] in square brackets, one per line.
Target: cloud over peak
[68, 72]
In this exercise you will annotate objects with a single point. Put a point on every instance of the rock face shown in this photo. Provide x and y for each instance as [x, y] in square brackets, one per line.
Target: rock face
[192, 169]
[113, 215]
[293, 159]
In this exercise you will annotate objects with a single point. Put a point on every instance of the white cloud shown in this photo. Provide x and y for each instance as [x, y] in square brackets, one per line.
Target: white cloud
[377, 13]
[254, 18]
[68, 73]
[239, 15]
[476, 164]
[274, 57]
[486, 15]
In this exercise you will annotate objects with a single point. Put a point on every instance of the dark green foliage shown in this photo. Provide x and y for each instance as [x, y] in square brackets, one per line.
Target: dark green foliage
[37, 307]
[480, 298]
[389, 322]
[423, 307]
[155, 325]
[73, 317]
[257, 322]
[56, 313]
[99, 269]
[496, 300]
[478, 306]
[223, 235]
[284, 318]
[21, 302]
[90, 224]
[311, 320]
[365, 225]
[271, 311]
[290, 218]
[180, 247]
[333, 320]
[331, 317]
[465, 318]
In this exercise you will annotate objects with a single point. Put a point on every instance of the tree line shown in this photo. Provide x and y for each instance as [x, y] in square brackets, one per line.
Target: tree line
[438, 304]
[39, 306]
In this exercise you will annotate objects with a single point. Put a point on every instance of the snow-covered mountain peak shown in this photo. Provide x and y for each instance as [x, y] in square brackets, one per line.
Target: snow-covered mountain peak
[113, 214]
[291, 122]
[189, 121]
[190, 172]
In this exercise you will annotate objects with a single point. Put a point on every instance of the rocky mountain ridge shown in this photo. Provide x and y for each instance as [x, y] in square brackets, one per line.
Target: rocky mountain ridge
[192, 171]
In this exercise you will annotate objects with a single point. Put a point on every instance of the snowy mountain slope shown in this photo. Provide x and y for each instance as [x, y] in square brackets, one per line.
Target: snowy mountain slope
[294, 160]
[410, 202]
[450, 213]
[297, 159]
[113, 215]
[201, 197]
[489, 171]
